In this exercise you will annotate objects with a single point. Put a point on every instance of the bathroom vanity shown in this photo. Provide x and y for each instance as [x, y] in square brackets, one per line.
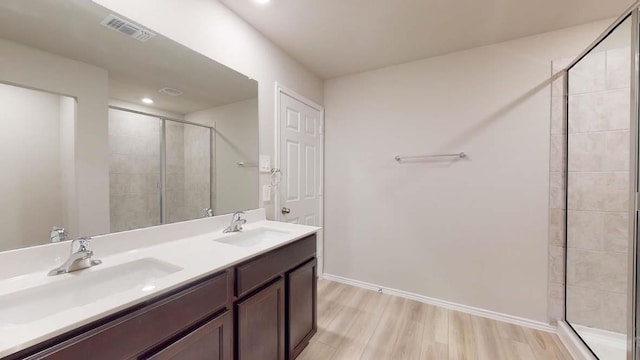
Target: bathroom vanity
[261, 305]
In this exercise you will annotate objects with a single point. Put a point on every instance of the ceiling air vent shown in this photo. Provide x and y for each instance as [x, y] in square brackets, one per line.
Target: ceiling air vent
[128, 28]
[170, 91]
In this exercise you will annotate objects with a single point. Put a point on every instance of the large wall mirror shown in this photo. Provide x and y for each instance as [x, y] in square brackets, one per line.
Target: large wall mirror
[107, 126]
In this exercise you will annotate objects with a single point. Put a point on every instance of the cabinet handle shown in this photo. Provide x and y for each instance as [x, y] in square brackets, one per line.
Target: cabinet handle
[285, 210]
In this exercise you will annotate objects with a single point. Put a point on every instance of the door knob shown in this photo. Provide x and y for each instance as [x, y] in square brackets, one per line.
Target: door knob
[285, 210]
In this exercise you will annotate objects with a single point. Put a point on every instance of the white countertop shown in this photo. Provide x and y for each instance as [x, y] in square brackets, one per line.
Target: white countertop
[198, 256]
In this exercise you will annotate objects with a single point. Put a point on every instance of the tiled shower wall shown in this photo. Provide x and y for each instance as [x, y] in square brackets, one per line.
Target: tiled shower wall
[598, 168]
[134, 170]
[188, 171]
[175, 172]
[198, 174]
[557, 198]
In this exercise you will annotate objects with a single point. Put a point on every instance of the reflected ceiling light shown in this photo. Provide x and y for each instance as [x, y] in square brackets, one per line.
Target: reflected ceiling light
[147, 100]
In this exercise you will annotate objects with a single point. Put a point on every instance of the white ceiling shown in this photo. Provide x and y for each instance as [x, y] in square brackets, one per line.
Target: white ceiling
[339, 37]
[71, 28]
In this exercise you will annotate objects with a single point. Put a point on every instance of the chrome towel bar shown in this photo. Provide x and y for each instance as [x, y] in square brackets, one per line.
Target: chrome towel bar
[458, 155]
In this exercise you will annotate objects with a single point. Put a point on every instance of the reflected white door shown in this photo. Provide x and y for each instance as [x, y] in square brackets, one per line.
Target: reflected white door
[301, 141]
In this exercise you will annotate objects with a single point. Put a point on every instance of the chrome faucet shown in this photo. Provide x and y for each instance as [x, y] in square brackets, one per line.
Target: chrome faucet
[208, 212]
[236, 222]
[58, 234]
[80, 258]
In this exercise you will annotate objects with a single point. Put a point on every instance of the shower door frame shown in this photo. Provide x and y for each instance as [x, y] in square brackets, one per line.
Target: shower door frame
[633, 308]
[163, 156]
[632, 290]
[634, 188]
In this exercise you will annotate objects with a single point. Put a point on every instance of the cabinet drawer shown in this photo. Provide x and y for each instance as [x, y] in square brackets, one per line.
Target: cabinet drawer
[252, 274]
[213, 340]
[132, 334]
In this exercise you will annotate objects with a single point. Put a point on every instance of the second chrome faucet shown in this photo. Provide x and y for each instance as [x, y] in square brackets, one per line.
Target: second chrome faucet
[236, 222]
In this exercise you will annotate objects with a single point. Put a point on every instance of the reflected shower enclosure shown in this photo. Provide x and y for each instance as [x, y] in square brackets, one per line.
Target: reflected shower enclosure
[161, 170]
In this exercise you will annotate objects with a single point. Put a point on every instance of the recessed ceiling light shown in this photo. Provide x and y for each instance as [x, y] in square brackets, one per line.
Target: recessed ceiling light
[262, 2]
[147, 100]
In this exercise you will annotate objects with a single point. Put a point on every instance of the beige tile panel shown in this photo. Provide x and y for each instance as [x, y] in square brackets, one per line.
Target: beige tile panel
[120, 184]
[557, 116]
[616, 232]
[605, 231]
[586, 151]
[601, 111]
[616, 154]
[556, 190]
[133, 211]
[130, 145]
[585, 230]
[556, 265]
[589, 74]
[134, 164]
[556, 302]
[556, 227]
[598, 309]
[618, 68]
[597, 270]
[557, 153]
[599, 191]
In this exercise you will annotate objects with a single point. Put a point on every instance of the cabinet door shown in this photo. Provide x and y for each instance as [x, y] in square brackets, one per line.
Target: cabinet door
[261, 324]
[301, 310]
[211, 341]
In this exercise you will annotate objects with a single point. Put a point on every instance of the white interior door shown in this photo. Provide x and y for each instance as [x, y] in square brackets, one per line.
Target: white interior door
[300, 191]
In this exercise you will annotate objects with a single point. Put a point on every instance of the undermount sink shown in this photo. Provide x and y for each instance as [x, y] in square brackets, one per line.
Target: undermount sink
[81, 288]
[256, 237]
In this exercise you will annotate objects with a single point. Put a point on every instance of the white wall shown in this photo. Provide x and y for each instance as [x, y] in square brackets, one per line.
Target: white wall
[31, 197]
[236, 140]
[473, 232]
[36, 69]
[210, 28]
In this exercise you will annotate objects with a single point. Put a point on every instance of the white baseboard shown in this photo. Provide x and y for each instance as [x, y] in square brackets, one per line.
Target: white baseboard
[574, 345]
[446, 304]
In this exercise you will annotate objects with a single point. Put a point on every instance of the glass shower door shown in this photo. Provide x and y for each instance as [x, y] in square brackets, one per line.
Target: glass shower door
[598, 192]
[134, 170]
[188, 169]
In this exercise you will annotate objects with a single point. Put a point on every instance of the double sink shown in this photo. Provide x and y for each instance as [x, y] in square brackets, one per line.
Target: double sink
[85, 287]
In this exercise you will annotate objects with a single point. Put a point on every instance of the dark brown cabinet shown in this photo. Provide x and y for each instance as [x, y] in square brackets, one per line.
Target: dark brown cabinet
[302, 307]
[261, 324]
[261, 309]
[134, 334]
[211, 341]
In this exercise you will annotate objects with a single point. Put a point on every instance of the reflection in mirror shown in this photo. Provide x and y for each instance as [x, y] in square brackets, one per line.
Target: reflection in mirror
[109, 127]
[35, 143]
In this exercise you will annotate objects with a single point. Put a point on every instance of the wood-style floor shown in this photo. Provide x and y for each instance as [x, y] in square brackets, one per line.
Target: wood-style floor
[354, 323]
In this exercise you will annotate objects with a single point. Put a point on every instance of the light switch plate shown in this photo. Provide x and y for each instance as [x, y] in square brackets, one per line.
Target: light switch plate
[265, 163]
[266, 193]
